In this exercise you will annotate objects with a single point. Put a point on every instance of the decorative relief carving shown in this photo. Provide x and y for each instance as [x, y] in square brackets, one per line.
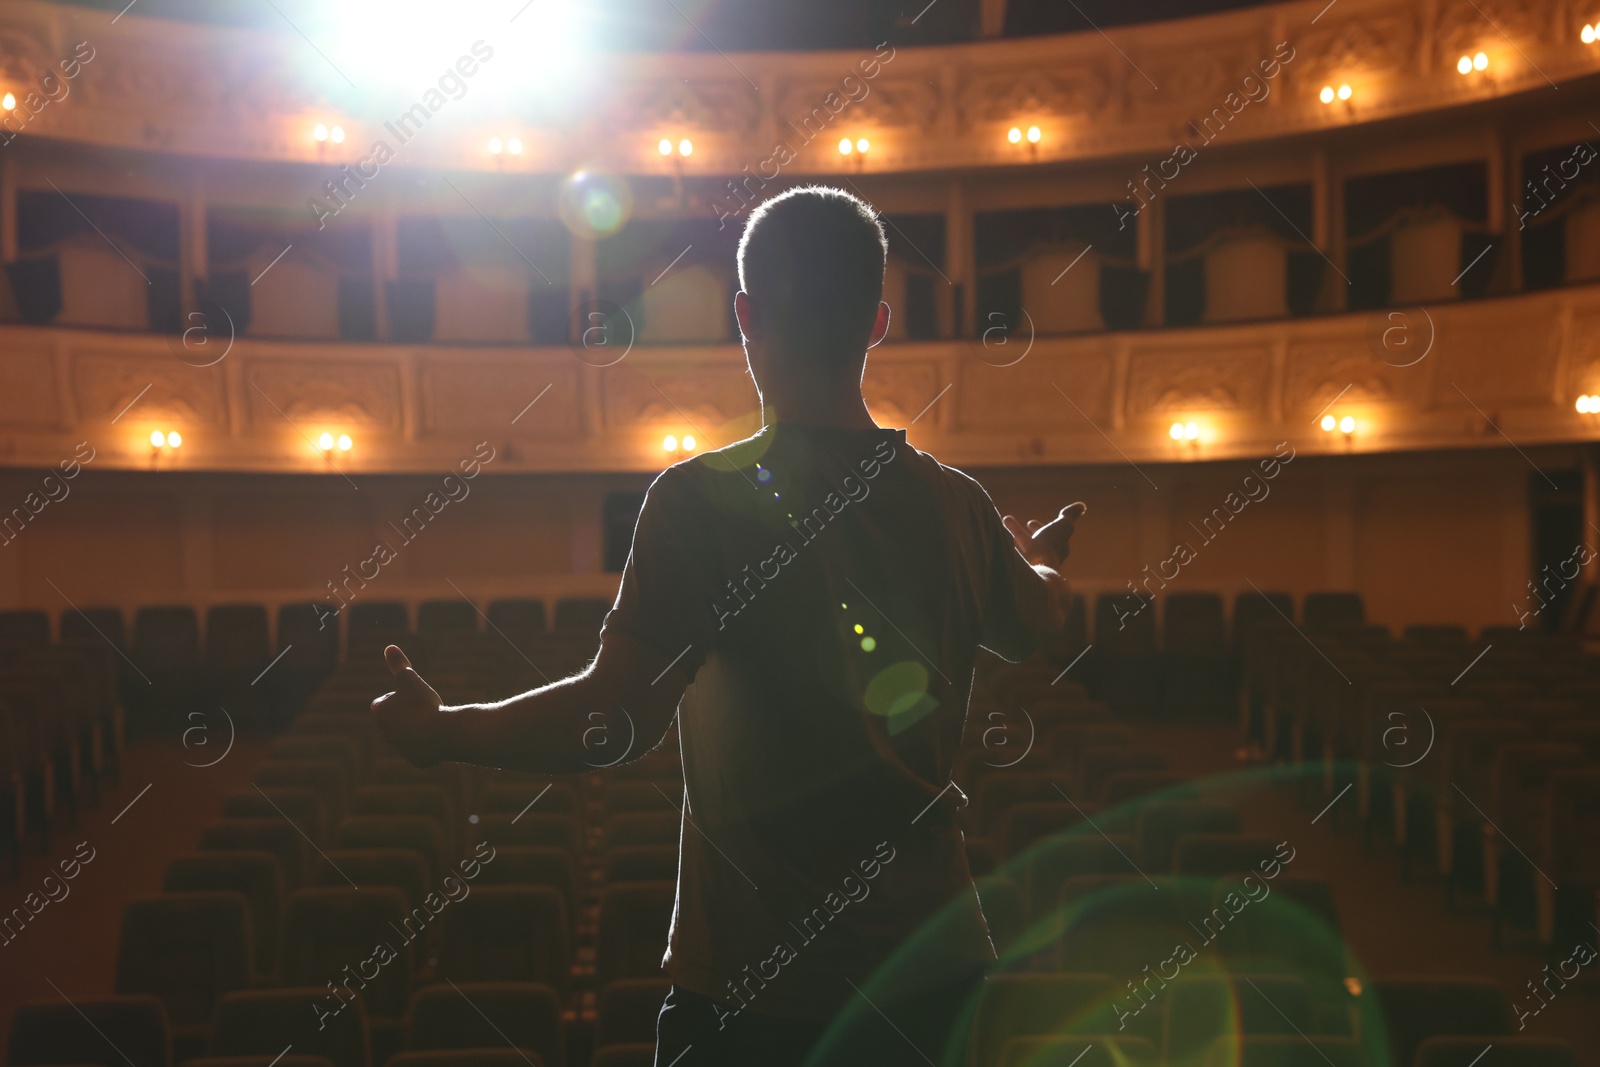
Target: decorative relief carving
[1317, 373]
[1468, 25]
[708, 396]
[28, 390]
[357, 393]
[896, 393]
[1511, 363]
[730, 106]
[106, 383]
[1001, 95]
[1230, 379]
[1367, 42]
[1038, 392]
[479, 396]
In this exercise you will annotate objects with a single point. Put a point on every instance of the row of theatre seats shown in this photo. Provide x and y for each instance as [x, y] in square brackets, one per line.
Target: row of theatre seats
[1479, 759]
[69, 698]
[526, 918]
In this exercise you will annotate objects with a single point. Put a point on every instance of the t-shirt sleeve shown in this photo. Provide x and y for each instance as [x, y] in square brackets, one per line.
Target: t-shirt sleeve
[665, 596]
[1013, 600]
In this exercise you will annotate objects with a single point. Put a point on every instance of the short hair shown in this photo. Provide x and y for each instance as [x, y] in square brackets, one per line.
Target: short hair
[812, 260]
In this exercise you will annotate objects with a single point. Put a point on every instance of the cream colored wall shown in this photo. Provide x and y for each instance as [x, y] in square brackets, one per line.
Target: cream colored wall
[1426, 537]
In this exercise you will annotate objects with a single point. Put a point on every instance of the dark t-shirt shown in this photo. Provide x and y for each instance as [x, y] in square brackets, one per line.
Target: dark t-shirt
[826, 591]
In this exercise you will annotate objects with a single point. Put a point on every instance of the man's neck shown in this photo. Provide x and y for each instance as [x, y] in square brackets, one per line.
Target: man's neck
[847, 412]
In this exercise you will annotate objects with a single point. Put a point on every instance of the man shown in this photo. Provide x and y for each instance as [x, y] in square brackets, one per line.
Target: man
[808, 603]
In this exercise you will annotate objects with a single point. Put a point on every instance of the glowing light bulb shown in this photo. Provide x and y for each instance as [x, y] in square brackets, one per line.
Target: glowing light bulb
[1586, 35]
[1191, 431]
[174, 439]
[664, 147]
[320, 133]
[495, 147]
[1329, 422]
[1014, 134]
[845, 147]
[1034, 133]
[337, 134]
[157, 438]
[1347, 424]
[1176, 433]
[9, 101]
[669, 443]
[1326, 96]
[514, 146]
[688, 442]
[685, 147]
[860, 629]
[1588, 405]
[1464, 65]
[1480, 62]
[863, 144]
[325, 442]
[345, 443]
[1345, 92]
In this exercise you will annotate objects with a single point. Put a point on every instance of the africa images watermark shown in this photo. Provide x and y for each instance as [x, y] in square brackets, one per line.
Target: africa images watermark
[1581, 556]
[855, 90]
[1256, 90]
[404, 128]
[810, 526]
[452, 489]
[54, 89]
[54, 489]
[55, 890]
[1183, 553]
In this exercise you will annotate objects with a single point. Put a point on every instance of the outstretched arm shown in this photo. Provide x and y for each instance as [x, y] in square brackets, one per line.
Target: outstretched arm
[630, 690]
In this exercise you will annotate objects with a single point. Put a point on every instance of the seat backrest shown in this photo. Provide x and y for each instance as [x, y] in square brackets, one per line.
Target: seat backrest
[326, 777]
[642, 828]
[1039, 1005]
[520, 620]
[310, 1020]
[438, 618]
[580, 616]
[1415, 1009]
[1258, 1051]
[326, 931]
[477, 1015]
[541, 831]
[634, 920]
[641, 863]
[303, 807]
[1253, 608]
[21, 627]
[186, 949]
[94, 624]
[254, 876]
[313, 635]
[519, 797]
[1053, 860]
[166, 638]
[1116, 924]
[1513, 1051]
[276, 836]
[1124, 624]
[1202, 1009]
[342, 750]
[503, 933]
[393, 868]
[1193, 624]
[415, 832]
[109, 1031]
[1331, 611]
[623, 796]
[533, 865]
[237, 638]
[374, 624]
[628, 1010]
[1213, 854]
[1162, 823]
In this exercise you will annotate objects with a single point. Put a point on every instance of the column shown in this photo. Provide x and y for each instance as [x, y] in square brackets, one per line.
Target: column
[991, 18]
[1504, 218]
[193, 252]
[959, 311]
[1151, 236]
[1590, 458]
[584, 288]
[8, 208]
[385, 266]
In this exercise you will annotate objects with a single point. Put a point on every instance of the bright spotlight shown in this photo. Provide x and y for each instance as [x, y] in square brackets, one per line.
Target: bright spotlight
[1347, 424]
[1329, 422]
[688, 442]
[1176, 432]
[345, 443]
[174, 439]
[669, 443]
[845, 147]
[1464, 65]
[1014, 134]
[1345, 92]
[1480, 62]
[686, 147]
[8, 102]
[1190, 431]
[1586, 35]
[157, 438]
[1326, 96]
[862, 145]
[325, 442]
[1034, 134]
[320, 133]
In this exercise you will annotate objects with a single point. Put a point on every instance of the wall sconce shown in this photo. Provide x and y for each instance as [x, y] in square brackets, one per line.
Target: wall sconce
[1329, 94]
[322, 133]
[1345, 425]
[1468, 64]
[678, 447]
[167, 439]
[8, 102]
[1184, 431]
[1588, 405]
[327, 442]
[1588, 33]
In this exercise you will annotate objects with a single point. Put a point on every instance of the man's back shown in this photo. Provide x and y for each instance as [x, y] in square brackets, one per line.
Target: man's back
[827, 589]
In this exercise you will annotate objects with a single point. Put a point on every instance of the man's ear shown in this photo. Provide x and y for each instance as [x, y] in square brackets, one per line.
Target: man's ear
[880, 325]
[745, 313]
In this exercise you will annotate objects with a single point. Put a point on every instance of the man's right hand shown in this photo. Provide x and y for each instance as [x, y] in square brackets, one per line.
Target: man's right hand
[410, 717]
[1046, 544]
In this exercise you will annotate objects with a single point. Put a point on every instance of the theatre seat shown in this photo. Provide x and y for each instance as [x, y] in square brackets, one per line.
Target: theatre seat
[237, 650]
[373, 625]
[302, 807]
[108, 1031]
[580, 616]
[1162, 824]
[636, 828]
[540, 831]
[342, 750]
[1214, 855]
[30, 628]
[530, 865]
[632, 938]
[506, 933]
[488, 1015]
[1205, 1010]
[641, 863]
[376, 868]
[325, 930]
[1055, 860]
[325, 777]
[1412, 1010]
[254, 876]
[1015, 1006]
[415, 832]
[185, 949]
[426, 801]
[264, 1022]
[273, 836]
[1322, 612]
[1117, 925]
[1507, 1052]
